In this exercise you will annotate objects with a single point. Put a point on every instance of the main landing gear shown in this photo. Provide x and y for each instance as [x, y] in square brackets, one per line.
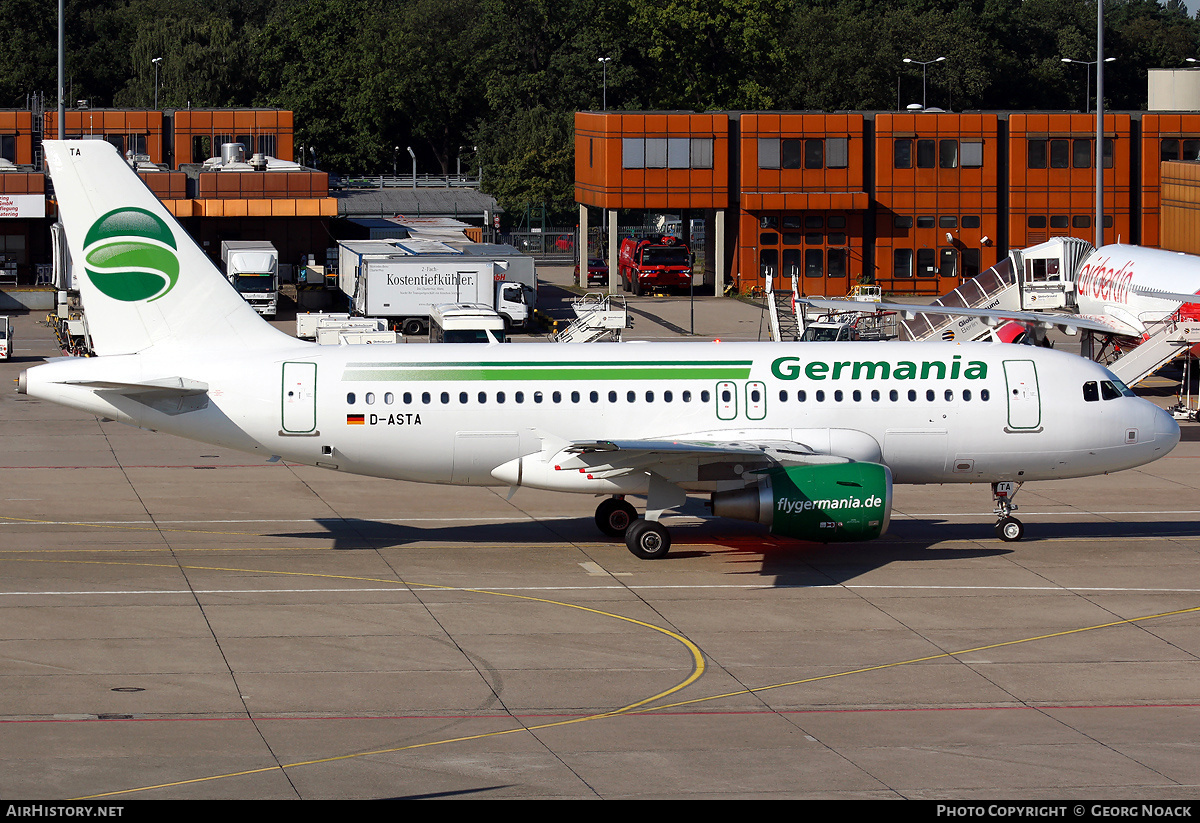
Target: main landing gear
[646, 539]
[1008, 528]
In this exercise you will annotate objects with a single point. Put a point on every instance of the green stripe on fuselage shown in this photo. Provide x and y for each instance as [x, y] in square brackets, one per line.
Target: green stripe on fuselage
[532, 370]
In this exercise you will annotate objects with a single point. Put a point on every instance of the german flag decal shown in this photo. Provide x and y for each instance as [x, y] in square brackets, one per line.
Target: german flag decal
[355, 419]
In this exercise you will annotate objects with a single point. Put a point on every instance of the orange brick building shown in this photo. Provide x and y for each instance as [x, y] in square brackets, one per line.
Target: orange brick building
[913, 201]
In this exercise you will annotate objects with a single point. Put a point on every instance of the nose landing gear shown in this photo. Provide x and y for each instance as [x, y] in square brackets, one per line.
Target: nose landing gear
[1008, 528]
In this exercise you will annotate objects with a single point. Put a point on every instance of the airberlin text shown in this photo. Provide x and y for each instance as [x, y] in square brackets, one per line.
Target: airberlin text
[789, 368]
[1101, 281]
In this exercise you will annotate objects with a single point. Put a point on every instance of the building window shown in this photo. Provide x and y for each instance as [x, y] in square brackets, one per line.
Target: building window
[925, 263]
[633, 153]
[948, 264]
[8, 147]
[837, 262]
[948, 154]
[679, 152]
[656, 152]
[702, 152]
[1058, 221]
[902, 153]
[1036, 154]
[926, 153]
[970, 263]
[768, 153]
[837, 152]
[1081, 154]
[768, 262]
[814, 154]
[970, 221]
[971, 154]
[902, 261]
[791, 153]
[949, 221]
[1059, 154]
[1081, 221]
[814, 262]
[791, 262]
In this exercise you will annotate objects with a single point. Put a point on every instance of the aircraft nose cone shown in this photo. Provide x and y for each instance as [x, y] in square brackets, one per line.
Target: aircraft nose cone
[1166, 430]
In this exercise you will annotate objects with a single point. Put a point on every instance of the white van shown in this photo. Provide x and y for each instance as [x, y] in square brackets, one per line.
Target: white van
[465, 323]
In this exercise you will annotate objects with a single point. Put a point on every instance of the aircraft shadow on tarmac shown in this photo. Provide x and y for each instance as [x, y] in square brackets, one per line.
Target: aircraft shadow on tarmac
[788, 562]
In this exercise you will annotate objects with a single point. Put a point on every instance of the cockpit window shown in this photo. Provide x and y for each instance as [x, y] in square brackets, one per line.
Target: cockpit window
[1108, 391]
[1121, 387]
[1091, 391]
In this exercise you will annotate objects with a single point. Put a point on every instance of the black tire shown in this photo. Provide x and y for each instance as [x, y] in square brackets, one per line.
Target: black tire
[648, 540]
[412, 326]
[1010, 529]
[614, 517]
[635, 286]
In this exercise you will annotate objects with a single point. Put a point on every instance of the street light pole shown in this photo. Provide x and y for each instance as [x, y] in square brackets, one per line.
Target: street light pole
[604, 80]
[156, 61]
[1087, 88]
[924, 64]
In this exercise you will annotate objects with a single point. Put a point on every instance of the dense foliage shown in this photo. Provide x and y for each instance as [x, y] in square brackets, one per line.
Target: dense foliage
[495, 82]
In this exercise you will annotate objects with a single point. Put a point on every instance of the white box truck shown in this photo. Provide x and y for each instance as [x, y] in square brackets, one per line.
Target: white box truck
[406, 290]
[252, 266]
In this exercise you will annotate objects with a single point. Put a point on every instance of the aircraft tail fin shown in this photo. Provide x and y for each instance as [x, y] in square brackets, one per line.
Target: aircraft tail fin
[144, 281]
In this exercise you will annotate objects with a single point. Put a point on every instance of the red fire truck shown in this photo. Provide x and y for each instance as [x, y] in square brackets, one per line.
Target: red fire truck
[655, 263]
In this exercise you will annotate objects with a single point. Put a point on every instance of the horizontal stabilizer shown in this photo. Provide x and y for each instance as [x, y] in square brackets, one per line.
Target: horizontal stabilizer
[166, 386]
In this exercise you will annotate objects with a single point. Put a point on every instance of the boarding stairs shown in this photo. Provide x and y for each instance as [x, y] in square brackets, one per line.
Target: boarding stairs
[598, 318]
[788, 318]
[1033, 279]
[1164, 341]
[995, 288]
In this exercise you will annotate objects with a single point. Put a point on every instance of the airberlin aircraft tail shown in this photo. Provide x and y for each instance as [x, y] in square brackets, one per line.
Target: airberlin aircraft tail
[144, 281]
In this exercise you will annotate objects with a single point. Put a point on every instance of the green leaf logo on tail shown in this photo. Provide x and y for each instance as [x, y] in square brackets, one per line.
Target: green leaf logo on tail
[130, 255]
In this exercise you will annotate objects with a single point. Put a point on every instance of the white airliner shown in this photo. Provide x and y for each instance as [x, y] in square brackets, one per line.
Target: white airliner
[1116, 290]
[806, 438]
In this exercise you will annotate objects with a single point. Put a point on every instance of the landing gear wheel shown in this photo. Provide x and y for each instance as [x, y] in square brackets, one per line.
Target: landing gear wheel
[1010, 529]
[614, 516]
[648, 540]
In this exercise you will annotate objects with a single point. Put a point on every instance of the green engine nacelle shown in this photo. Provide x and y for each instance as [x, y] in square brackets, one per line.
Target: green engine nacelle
[829, 503]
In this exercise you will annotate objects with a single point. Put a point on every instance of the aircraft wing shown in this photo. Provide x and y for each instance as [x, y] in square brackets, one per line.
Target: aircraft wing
[1167, 295]
[993, 317]
[628, 454]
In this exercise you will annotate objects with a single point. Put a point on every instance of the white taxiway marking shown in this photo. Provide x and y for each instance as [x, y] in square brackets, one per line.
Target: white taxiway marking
[416, 587]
